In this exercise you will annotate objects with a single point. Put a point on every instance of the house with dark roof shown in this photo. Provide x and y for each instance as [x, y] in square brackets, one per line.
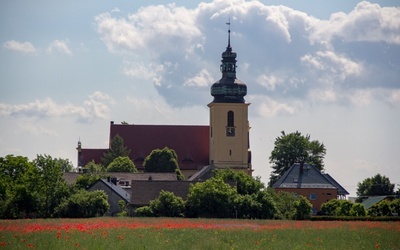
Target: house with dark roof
[145, 191]
[114, 192]
[308, 181]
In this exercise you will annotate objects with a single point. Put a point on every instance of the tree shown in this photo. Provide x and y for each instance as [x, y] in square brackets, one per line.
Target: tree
[245, 183]
[92, 167]
[122, 164]
[337, 207]
[292, 148]
[167, 205]
[213, 198]
[161, 161]
[86, 180]
[84, 204]
[50, 183]
[18, 195]
[268, 206]
[284, 203]
[116, 149]
[303, 208]
[65, 165]
[376, 185]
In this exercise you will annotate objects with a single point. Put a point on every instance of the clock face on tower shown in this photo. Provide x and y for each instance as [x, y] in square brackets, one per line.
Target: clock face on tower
[230, 131]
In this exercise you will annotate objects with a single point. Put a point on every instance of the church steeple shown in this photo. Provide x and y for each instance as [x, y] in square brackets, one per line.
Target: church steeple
[228, 89]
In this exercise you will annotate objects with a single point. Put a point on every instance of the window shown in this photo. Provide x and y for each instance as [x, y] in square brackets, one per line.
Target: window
[231, 119]
[313, 197]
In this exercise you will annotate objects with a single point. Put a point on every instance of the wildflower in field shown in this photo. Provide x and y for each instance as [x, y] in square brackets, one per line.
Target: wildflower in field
[377, 245]
[120, 237]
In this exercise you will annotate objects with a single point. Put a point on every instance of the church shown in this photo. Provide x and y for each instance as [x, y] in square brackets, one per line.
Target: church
[223, 144]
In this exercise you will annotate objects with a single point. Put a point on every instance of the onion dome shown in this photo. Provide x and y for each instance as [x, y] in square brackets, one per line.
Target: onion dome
[228, 89]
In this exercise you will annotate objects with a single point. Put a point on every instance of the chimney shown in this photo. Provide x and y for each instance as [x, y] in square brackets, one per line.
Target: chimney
[114, 180]
[301, 167]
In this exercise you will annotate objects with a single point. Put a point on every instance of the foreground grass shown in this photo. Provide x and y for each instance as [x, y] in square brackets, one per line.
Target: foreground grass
[163, 233]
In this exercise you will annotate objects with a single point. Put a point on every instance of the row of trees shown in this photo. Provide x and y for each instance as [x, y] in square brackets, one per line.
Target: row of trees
[37, 189]
[116, 159]
[346, 208]
[219, 199]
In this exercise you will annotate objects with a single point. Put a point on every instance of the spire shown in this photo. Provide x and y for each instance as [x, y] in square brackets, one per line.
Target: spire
[229, 34]
[228, 89]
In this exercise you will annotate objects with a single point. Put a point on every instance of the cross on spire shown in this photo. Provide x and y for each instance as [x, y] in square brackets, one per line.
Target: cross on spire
[229, 32]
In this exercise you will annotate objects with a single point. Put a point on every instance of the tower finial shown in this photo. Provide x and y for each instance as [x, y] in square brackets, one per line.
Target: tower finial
[229, 32]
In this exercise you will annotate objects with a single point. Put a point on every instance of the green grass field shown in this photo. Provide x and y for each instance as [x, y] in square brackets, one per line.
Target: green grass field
[166, 233]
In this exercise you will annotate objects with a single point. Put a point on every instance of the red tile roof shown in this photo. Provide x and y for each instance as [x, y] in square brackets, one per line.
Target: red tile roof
[89, 154]
[190, 142]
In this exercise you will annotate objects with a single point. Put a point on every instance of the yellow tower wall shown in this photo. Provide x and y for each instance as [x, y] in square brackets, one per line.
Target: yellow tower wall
[229, 151]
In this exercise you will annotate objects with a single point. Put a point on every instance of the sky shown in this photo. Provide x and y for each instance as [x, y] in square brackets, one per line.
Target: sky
[329, 69]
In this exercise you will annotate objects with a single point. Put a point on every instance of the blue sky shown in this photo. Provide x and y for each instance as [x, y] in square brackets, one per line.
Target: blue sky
[325, 68]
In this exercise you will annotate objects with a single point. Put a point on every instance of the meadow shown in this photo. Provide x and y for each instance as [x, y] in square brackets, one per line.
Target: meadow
[167, 233]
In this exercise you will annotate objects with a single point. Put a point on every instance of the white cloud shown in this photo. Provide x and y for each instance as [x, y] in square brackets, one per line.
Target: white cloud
[367, 22]
[333, 64]
[36, 129]
[394, 96]
[154, 27]
[287, 53]
[59, 46]
[267, 107]
[270, 81]
[322, 95]
[96, 107]
[202, 79]
[25, 47]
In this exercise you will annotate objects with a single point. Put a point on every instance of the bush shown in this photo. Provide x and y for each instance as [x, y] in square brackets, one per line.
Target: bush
[212, 198]
[167, 205]
[268, 206]
[303, 208]
[247, 207]
[122, 164]
[358, 209]
[84, 204]
[336, 207]
[144, 211]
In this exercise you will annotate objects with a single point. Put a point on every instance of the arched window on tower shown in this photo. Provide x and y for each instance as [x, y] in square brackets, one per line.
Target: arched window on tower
[231, 119]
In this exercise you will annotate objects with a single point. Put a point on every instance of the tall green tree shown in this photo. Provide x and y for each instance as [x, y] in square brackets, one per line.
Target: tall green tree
[117, 148]
[122, 164]
[19, 197]
[292, 148]
[161, 161]
[376, 185]
[51, 185]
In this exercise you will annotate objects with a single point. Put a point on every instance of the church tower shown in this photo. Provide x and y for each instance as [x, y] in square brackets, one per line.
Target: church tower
[229, 125]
